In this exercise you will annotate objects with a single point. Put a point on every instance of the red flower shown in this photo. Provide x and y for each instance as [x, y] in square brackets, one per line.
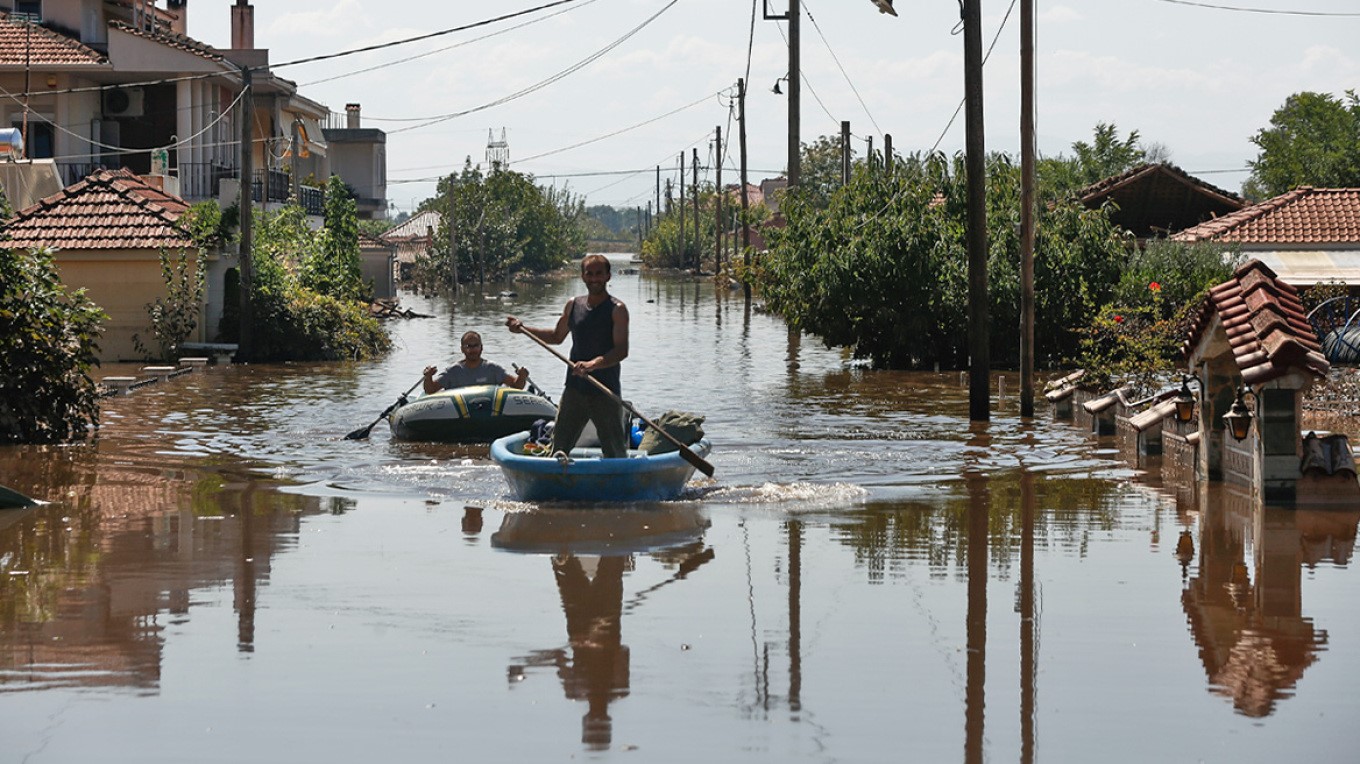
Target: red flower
[1154, 286]
[1118, 319]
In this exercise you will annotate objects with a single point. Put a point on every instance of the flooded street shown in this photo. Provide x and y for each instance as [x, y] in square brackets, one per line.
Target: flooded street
[868, 577]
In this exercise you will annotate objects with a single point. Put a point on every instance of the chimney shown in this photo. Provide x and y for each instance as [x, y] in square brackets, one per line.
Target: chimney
[242, 26]
[352, 116]
[179, 22]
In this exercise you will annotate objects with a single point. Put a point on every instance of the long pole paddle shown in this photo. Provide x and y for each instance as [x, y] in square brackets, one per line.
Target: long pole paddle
[535, 389]
[685, 452]
[363, 432]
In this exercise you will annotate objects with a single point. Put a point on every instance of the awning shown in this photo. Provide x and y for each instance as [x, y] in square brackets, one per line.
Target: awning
[311, 138]
[1304, 268]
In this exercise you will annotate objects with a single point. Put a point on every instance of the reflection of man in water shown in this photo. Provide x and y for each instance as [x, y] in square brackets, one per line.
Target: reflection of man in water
[598, 671]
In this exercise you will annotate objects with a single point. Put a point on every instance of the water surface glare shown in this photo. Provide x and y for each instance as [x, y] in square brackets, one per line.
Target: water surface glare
[220, 576]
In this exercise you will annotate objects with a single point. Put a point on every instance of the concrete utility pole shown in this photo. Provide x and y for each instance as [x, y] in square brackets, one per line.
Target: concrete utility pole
[246, 335]
[296, 172]
[718, 201]
[979, 362]
[845, 152]
[1027, 218]
[745, 203]
[698, 253]
[682, 210]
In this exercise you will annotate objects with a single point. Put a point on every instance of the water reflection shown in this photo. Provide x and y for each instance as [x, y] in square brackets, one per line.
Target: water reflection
[92, 583]
[1245, 601]
[591, 552]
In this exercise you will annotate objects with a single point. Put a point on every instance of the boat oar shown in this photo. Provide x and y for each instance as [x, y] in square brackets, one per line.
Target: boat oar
[363, 432]
[688, 455]
[535, 389]
[10, 499]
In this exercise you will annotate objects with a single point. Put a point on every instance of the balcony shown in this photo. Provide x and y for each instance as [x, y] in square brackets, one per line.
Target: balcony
[200, 181]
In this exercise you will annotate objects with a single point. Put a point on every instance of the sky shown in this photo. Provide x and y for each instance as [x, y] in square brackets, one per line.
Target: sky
[640, 81]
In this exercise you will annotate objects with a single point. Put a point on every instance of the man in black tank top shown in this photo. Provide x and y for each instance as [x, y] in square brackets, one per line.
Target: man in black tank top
[598, 324]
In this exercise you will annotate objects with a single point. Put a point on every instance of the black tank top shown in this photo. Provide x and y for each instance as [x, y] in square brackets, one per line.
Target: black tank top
[592, 335]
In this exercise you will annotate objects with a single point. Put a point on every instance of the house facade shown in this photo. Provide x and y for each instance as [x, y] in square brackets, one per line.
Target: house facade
[118, 84]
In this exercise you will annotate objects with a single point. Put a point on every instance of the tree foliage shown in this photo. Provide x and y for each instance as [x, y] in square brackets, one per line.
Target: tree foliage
[1104, 156]
[175, 316]
[1313, 140]
[504, 224]
[48, 349]
[331, 266]
[883, 267]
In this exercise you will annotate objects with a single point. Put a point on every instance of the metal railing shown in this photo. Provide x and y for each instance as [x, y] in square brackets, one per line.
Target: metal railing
[203, 180]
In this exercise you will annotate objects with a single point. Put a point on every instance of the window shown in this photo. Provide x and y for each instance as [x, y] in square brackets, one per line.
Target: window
[40, 143]
[28, 10]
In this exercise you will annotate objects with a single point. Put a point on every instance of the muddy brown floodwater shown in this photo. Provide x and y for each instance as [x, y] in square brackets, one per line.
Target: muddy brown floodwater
[220, 576]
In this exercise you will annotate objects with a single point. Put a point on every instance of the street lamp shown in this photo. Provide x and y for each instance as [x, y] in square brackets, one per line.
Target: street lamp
[1185, 400]
[1238, 419]
[885, 6]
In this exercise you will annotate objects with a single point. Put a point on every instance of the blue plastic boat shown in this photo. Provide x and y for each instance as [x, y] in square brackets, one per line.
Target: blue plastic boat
[586, 476]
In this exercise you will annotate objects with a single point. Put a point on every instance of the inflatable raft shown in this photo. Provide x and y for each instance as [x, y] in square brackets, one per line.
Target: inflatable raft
[477, 414]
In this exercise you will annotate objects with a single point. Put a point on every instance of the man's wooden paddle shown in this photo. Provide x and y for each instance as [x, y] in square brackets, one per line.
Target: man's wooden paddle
[688, 455]
[363, 432]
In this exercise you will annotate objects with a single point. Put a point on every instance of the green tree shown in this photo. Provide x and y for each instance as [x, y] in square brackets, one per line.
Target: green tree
[820, 169]
[882, 269]
[48, 349]
[1313, 140]
[1104, 156]
[332, 267]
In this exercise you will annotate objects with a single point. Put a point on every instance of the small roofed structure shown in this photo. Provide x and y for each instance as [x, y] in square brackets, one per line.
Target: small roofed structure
[414, 239]
[1155, 200]
[108, 231]
[1252, 350]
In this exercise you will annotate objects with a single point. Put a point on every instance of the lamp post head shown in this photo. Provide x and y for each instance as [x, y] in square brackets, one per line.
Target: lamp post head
[1238, 419]
[885, 6]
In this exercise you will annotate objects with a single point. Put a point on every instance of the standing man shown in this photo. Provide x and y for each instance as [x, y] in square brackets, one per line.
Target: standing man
[598, 324]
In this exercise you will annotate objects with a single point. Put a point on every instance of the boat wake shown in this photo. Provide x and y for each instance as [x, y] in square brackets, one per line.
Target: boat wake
[799, 495]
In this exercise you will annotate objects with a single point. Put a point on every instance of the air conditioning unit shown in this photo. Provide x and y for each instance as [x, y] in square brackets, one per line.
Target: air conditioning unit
[124, 102]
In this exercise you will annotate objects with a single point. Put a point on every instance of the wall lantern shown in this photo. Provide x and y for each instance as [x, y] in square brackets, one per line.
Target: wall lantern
[1238, 419]
[1185, 400]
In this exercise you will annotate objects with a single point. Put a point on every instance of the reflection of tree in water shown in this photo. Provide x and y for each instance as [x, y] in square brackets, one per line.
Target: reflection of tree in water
[887, 537]
[1247, 619]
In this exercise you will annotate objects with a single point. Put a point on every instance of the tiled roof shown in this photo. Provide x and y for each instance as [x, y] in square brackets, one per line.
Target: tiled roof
[35, 45]
[1154, 199]
[1303, 216]
[177, 41]
[1266, 325]
[414, 226]
[110, 209]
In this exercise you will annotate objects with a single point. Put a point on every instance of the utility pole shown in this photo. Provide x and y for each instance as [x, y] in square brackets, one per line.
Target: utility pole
[745, 203]
[979, 362]
[246, 335]
[845, 152]
[682, 210]
[453, 235]
[718, 201]
[887, 151]
[795, 160]
[295, 171]
[698, 253]
[1027, 156]
[658, 189]
[795, 99]
[637, 212]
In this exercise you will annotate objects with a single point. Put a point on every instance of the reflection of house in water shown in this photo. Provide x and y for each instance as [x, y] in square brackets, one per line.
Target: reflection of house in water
[102, 575]
[1246, 615]
[595, 665]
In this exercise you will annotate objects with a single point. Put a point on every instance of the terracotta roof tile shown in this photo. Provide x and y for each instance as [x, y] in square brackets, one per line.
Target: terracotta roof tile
[414, 226]
[35, 45]
[110, 209]
[1265, 324]
[1305, 215]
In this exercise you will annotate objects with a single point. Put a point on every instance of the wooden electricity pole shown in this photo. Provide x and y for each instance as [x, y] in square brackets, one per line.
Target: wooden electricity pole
[698, 251]
[745, 203]
[717, 201]
[453, 235]
[1027, 208]
[845, 152]
[979, 362]
[246, 335]
[795, 99]
[682, 259]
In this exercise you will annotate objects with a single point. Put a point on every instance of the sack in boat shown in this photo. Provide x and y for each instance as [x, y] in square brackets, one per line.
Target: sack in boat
[681, 425]
[540, 432]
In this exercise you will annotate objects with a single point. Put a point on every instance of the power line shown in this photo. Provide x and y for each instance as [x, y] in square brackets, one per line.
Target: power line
[434, 120]
[446, 48]
[622, 130]
[1272, 11]
[844, 74]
